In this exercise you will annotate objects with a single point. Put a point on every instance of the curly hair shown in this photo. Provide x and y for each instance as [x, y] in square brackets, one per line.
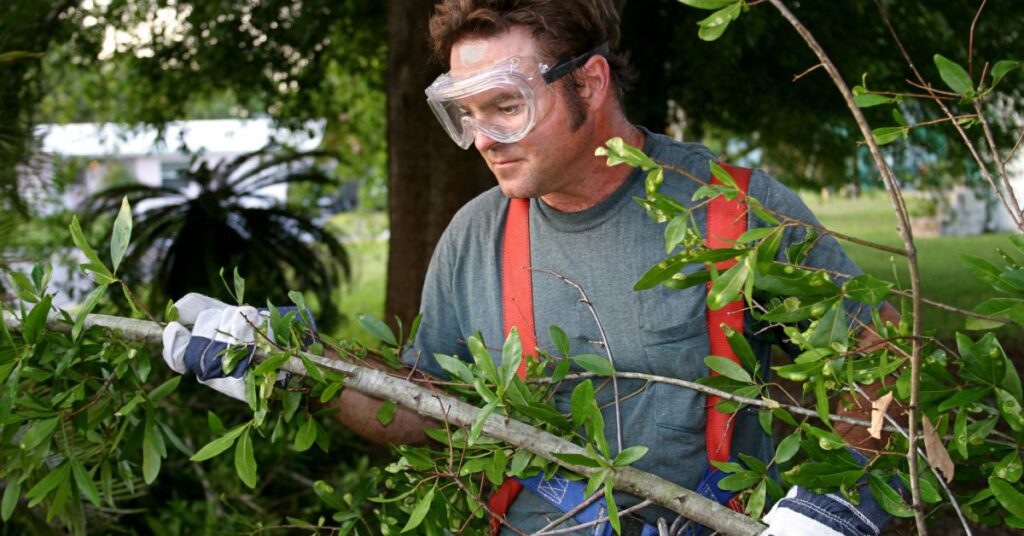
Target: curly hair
[563, 29]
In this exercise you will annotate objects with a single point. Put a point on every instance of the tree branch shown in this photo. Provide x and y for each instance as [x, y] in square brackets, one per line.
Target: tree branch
[441, 407]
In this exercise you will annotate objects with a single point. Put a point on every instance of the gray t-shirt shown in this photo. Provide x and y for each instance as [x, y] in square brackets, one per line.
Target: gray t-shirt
[604, 249]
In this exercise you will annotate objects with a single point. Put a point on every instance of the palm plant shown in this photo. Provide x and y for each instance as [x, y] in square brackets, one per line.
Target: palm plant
[183, 238]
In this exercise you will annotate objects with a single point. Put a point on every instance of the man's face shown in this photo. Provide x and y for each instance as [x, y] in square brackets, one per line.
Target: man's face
[539, 163]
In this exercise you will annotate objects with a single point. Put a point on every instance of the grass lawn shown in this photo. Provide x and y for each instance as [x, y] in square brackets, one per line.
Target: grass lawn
[368, 255]
[943, 277]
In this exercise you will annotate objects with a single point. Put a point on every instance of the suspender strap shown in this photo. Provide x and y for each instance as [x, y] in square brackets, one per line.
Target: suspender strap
[727, 220]
[517, 309]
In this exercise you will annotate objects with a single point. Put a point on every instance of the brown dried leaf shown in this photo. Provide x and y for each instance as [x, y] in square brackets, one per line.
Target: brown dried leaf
[878, 409]
[938, 456]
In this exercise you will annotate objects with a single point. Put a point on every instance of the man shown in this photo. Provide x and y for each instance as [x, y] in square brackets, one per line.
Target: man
[536, 86]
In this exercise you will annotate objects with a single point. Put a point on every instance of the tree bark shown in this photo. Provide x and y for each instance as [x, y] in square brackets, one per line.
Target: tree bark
[429, 176]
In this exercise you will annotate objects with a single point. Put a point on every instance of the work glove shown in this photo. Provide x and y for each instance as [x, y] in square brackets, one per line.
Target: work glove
[216, 326]
[802, 512]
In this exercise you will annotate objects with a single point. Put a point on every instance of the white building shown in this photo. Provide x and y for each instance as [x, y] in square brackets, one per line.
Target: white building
[159, 160]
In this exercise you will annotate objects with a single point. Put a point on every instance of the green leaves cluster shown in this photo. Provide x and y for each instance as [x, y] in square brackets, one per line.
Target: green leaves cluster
[973, 396]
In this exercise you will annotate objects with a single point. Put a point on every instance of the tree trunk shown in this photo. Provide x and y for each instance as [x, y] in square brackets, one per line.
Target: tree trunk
[429, 176]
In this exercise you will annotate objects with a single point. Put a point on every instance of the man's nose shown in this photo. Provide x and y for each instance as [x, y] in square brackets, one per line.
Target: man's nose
[482, 141]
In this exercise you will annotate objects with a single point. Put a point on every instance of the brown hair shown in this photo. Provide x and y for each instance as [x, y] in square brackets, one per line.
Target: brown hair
[563, 29]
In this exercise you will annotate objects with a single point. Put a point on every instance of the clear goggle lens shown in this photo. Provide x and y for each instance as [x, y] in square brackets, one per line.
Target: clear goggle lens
[504, 111]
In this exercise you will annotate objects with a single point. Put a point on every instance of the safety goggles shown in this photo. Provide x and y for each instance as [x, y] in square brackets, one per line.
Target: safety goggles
[502, 101]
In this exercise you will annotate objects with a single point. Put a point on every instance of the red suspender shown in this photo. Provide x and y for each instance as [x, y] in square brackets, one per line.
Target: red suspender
[517, 279]
[727, 220]
[517, 307]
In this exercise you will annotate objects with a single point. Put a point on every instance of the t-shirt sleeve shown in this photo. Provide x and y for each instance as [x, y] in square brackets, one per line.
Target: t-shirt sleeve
[439, 330]
[826, 253]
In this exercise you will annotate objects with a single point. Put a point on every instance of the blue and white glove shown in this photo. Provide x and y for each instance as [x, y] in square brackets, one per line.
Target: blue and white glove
[802, 512]
[215, 327]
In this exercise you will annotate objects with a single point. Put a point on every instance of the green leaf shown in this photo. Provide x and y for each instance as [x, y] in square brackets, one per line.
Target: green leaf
[886, 135]
[239, 285]
[577, 459]
[787, 448]
[755, 503]
[867, 289]
[675, 232]
[620, 152]
[1011, 410]
[150, 452]
[39, 431]
[482, 358]
[1010, 468]
[1009, 308]
[420, 511]
[378, 329]
[11, 495]
[220, 444]
[1001, 69]
[47, 484]
[867, 100]
[630, 455]
[245, 460]
[165, 388]
[714, 26]
[609, 501]
[954, 76]
[35, 321]
[742, 348]
[708, 4]
[84, 482]
[831, 329]
[95, 265]
[595, 364]
[559, 339]
[481, 419]
[582, 402]
[306, 435]
[387, 413]
[739, 480]
[511, 357]
[455, 367]
[722, 175]
[1007, 495]
[888, 498]
[87, 306]
[726, 367]
[963, 398]
[726, 289]
[122, 234]
[662, 271]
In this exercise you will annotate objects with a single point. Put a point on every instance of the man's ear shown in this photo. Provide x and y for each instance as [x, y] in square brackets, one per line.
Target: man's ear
[596, 78]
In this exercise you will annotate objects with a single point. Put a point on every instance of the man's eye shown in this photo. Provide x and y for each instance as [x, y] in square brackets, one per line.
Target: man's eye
[510, 109]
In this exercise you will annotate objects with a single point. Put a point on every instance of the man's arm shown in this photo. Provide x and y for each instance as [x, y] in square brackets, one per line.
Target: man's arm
[358, 412]
[857, 406]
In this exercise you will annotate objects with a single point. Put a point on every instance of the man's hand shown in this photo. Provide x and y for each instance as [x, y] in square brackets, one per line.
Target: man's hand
[216, 326]
[802, 512]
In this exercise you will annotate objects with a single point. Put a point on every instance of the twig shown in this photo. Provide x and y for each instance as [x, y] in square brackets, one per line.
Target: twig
[594, 523]
[970, 40]
[572, 513]
[1015, 147]
[490, 513]
[604, 339]
[896, 198]
[808, 71]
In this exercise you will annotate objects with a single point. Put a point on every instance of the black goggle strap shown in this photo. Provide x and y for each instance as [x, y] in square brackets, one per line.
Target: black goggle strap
[565, 67]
